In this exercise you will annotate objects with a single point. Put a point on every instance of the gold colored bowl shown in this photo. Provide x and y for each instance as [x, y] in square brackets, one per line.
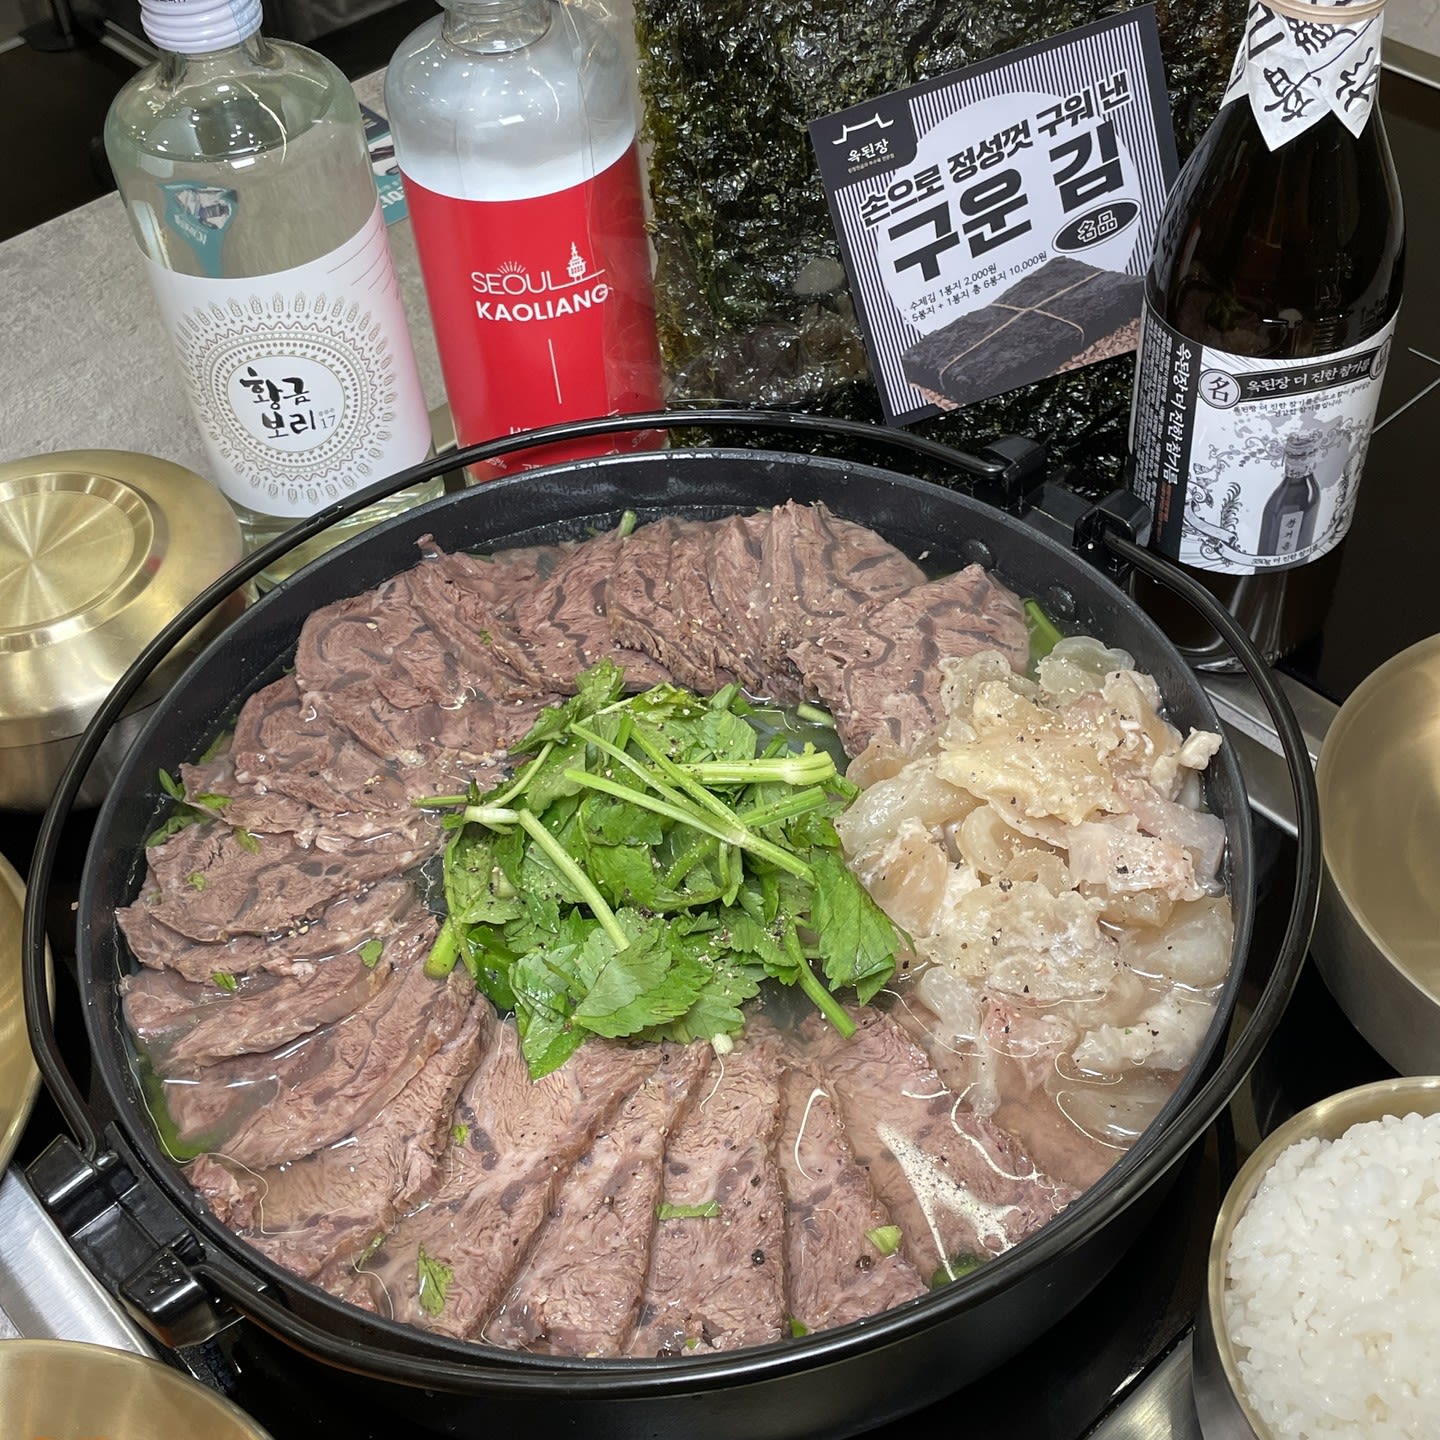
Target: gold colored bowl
[65, 1389]
[19, 1079]
[1377, 938]
[1220, 1402]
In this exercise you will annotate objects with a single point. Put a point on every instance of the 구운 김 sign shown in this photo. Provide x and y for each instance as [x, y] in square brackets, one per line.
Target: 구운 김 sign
[996, 223]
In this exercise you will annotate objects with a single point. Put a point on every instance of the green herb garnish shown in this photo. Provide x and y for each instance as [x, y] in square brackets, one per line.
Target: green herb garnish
[798, 1328]
[434, 1283]
[225, 980]
[953, 1269]
[204, 807]
[885, 1238]
[1044, 636]
[370, 953]
[460, 1133]
[648, 865]
[708, 1211]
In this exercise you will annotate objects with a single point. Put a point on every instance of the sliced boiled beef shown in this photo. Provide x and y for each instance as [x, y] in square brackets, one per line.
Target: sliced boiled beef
[212, 785]
[316, 1216]
[211, 882]
[816, 570]
[579, 1290]
[265, 1109]
[959, 1187]
[186, 1025]
[836, 1272]
[878, 668]
[374, 665]
[289, 748]
[657, 598]
[717, 1282]
[343, 926]
[466, 600]
[448, 1264]
[559, 627]
[733, 558]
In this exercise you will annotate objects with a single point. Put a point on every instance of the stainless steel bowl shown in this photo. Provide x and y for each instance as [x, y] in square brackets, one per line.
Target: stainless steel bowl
[1377, 939]
[1225, 1412]
[98, 550]
[63, 1388]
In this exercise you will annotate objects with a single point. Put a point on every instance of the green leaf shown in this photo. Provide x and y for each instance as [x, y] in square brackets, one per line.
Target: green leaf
[433, 1280]
[246, 841]
[885, 1238]
[708, 1211]
[370, 953]
[225, 980]
[857, 940]
[460, 1133]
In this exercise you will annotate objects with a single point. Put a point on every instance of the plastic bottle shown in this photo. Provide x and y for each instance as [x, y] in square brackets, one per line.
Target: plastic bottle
[1269, 309]
[243, 167]
[515, 129]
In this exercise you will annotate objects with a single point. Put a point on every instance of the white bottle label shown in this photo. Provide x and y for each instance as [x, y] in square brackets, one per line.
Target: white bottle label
[1296, 70]
[1210, 433]
[303, 382]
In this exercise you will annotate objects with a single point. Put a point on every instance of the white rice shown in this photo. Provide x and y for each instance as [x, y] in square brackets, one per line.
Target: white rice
[1333, 1303]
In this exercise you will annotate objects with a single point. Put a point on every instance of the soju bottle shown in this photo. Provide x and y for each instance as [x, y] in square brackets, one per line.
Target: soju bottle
[243, 167]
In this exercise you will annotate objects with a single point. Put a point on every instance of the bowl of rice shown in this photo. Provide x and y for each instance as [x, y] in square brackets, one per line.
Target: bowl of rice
[1323, 1314]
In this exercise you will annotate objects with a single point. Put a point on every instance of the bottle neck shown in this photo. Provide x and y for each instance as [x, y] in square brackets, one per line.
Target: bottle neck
[253, 52]
[493, 27]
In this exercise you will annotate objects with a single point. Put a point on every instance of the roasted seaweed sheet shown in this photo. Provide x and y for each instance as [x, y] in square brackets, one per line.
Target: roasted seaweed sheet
[1060, 315]
[752, 298]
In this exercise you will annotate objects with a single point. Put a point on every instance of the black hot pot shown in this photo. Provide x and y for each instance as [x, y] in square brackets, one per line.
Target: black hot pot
[190, 1274]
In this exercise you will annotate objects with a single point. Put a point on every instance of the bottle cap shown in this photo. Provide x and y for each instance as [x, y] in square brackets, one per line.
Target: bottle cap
[194, 27]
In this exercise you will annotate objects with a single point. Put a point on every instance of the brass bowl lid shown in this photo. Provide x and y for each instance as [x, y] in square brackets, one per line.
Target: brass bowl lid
[98, 550]
[65, 1388]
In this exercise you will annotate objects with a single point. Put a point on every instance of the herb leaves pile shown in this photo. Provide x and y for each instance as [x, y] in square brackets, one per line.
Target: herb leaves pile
[649, 865]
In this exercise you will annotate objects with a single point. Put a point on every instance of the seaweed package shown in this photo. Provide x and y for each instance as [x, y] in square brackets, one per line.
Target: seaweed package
[752, 297]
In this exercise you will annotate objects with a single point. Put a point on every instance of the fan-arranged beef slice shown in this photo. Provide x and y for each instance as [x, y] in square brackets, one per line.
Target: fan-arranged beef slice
[211, 882]
[717, 1281]
[374, 664]
[317, 1215]
[212, 786]
[959, 1187]
[878, 670]
[446, 1265]
[287, 747]
[579, 1290]
[344, 925]
[185, 1025]
[658, 600]
[263, 1110]
[815, 570]
[733, 559]
[559, 627]
[836, 1226]
[467, 601]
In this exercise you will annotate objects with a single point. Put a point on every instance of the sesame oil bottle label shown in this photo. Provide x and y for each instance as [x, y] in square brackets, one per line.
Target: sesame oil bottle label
[1250, 464]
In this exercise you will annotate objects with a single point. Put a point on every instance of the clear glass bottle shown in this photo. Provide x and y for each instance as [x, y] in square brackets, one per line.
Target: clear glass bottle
[515, 125]
[244, 171]
[1269, 307]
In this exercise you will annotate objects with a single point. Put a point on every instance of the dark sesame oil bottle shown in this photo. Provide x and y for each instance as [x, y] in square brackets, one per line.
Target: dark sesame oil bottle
[1269, 308]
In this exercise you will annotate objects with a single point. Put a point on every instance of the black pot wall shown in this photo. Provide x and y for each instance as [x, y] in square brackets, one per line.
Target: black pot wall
[834, 1383]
